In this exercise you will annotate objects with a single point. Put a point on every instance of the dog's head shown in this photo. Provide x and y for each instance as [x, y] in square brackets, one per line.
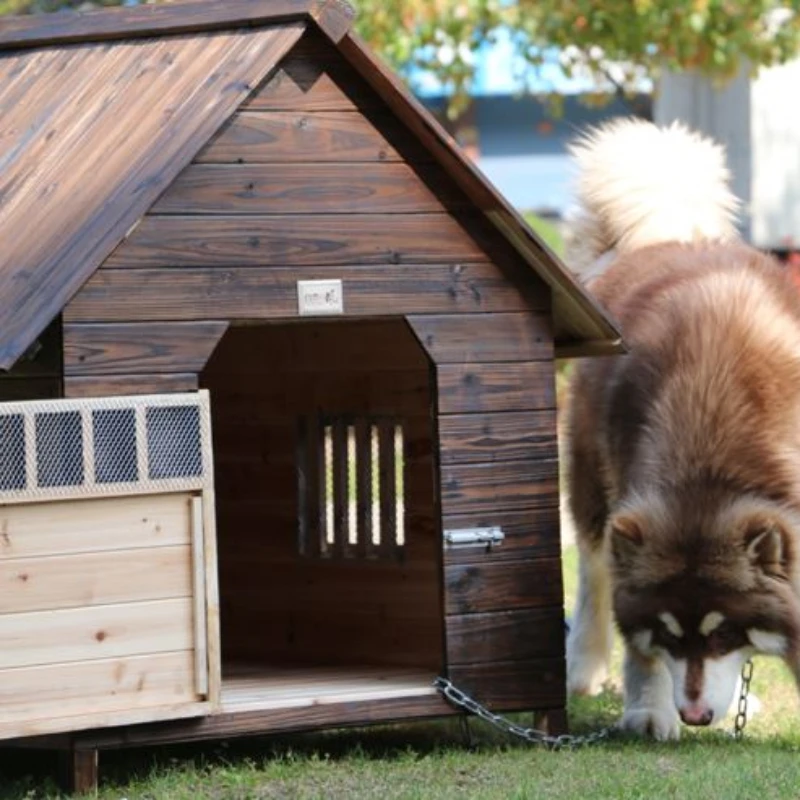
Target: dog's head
[704, 586]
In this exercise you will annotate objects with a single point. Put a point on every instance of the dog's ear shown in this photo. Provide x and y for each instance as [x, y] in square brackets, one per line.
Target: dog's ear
[626, 537]
[768, 546]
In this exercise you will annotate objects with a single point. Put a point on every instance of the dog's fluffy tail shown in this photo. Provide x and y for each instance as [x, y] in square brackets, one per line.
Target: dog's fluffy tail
[639, 184]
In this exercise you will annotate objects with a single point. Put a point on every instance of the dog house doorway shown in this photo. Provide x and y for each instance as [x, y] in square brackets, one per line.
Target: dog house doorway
[329, 555]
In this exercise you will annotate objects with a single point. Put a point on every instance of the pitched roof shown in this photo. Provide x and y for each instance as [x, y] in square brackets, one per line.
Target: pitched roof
[73, 88]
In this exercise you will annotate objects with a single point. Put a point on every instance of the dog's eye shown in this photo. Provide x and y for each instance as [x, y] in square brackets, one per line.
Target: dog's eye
[725, 639]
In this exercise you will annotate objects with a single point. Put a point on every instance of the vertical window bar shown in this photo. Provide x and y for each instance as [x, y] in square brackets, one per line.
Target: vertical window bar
[304, 483]
[340, 483]
[399, 486]
[388, 501]
[326, 498]
[363, 487]
[89, 476]
[375, 490]
[352, 490]
[31, 456]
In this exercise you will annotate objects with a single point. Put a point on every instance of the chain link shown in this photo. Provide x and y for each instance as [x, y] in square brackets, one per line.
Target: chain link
[741, 711]
[565, 741]
[569, 741]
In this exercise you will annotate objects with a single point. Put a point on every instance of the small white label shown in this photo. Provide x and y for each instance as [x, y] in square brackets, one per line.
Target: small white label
[320, 297]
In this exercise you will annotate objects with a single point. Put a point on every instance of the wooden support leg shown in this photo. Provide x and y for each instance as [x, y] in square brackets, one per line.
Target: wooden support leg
[552, 721]
[78, 770]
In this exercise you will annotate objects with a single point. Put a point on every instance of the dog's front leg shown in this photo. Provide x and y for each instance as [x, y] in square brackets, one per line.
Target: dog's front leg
[590, 634]
[649, 705]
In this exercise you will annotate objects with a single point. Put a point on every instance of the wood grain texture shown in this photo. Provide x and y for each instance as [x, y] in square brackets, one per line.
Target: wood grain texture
[314, 77]
[305, 137]
[64, 690]
[114, 385]
[471, 338]
[505, 636]
[514, 685]
[78, 770]
[295, 240]
[300, 189]
[137, 21]
[504, 485]
[529, 534]
[85, 526]
[85, 634]
[131, 117]
[93, 579]
[483, 438]
[130, 348]
[478, 587]
[478, 388]
[255, 293]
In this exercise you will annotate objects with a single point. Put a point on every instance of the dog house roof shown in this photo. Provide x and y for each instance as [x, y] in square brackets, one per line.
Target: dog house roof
[100, 111]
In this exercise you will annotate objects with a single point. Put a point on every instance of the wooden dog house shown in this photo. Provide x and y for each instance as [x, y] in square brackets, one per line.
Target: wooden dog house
[279, 363]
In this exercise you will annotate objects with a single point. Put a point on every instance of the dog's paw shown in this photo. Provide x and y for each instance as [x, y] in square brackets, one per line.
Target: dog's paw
[586, 676]
[657, 723]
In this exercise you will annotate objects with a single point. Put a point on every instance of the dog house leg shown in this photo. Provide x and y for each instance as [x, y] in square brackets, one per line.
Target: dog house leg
[552, 721]
[78, 769]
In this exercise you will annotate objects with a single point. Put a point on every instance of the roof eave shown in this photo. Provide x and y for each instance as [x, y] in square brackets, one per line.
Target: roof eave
[578, 317]
[333, 17]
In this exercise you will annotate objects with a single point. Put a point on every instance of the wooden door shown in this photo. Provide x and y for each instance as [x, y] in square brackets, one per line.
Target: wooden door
[107, 586]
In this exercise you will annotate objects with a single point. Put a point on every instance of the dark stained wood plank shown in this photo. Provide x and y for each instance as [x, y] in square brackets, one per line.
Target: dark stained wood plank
[475, 438]
[131, 22]
[505, 636]
[529, 534]
[130, 348]
[78, 770]
[470, 338]
[504, 485]
[514, 685]
[476, 588]
[114, 385]
[121, 133]
[320, 346]
[296, 240]
[227, 725]
[252, 293]
[299, 189]
[314, 77]
[284, 137]
[474, 388]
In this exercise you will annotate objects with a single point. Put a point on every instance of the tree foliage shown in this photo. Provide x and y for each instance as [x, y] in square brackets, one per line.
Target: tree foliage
[612, 42]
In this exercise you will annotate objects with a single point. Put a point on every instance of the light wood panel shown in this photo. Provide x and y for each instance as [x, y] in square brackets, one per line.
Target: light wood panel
[80, 634]
[92, 579]
[96, 525]
[63, 690]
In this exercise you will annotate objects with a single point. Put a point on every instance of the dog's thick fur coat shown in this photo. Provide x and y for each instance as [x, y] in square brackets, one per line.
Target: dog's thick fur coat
[684, 454]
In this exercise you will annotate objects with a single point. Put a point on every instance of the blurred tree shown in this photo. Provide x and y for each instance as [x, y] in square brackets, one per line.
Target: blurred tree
[613, 42]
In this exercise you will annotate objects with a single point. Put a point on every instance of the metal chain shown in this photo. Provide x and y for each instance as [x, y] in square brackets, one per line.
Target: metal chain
[569, 741]
[565, 741]
[741, 711]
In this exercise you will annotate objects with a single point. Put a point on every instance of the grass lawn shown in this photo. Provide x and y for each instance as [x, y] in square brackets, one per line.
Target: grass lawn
[431, 760]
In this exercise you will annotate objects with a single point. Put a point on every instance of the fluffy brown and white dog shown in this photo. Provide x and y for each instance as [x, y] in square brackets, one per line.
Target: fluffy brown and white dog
[684, 454]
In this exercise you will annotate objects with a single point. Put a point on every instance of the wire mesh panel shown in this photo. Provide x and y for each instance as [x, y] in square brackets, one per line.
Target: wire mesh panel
[55, 449]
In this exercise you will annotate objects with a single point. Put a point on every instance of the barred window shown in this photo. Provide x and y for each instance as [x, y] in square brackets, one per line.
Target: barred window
[351, 487]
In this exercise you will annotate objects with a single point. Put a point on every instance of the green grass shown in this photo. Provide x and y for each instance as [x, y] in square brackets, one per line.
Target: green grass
[431, 760]
[547, 230]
